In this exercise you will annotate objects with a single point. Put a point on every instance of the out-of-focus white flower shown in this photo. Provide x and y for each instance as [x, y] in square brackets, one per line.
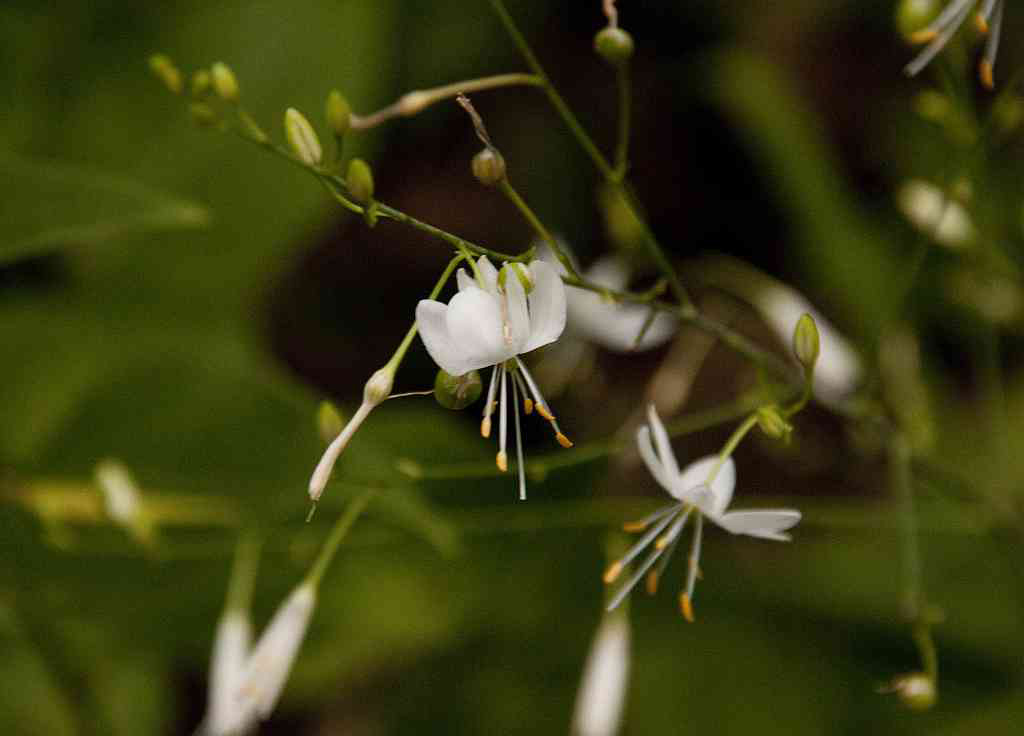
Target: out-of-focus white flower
[704, 486]
[492, 320]
[933, 212]
[838, 371]
[602, 693]
[123, 500]
[988, 19]
[227, 713]
[267, 669]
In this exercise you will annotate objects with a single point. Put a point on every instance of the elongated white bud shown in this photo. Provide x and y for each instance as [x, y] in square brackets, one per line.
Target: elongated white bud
[602, 693]
[226, 712]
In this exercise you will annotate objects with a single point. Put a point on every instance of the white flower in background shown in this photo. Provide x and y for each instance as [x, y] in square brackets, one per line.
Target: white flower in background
[705, 488]
[988, 19]
[492, 320]
[934, 212]
[267, 668]
[602, 693]
[838, 371]
[227, 713]
[123, 500]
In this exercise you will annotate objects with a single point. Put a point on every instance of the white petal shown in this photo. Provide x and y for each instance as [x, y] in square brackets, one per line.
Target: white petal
[514, 300]
[226, 712]
[609, 272]
[489, 274]
[769, 524]
[464, 279]
[475, 328]
[696, 474]
[661, 441]
[616, 326]
[643, 443]
[547, 306]
[602, 692]
[431, 319]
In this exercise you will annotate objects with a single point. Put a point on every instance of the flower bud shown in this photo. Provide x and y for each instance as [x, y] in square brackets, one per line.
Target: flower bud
[457, 392]
[329, 421]
[224, 82]
[489, 167]
[773, 424]
[806, 343]
[913, 15]
[521, 272]
[916, 690]
[164, 69]
[359, 181]
[301, 137]
[379, 386]
[201, 83]
[202, 114]
[614, 45]
[338, 112]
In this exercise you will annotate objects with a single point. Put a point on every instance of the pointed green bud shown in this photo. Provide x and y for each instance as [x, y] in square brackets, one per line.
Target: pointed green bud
[301, 137]
[773, 424]
[614, 45]
[329, 421]
[224, 82]
[201, 83]
[457, 392]
[339, 114]
[489, 167]
[806, 343]
[162, 66]
[202, 114]
[521, 272]
[359, 180]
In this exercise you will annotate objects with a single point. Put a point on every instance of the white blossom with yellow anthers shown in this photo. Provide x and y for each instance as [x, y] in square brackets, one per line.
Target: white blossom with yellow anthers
[703, 489]
[494, 318]
[988, 17]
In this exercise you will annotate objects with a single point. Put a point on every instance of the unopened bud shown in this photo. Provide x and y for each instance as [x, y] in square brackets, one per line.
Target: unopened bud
[329, 421]
[912, 16]
[773, 424]
[359, 181]
[916, 690]
[379, 386]
[614, 45]
[521, 272]
[489, 167]
[224, 82]
[806, 343]
[166, 72]
[201, 83]
[457, 392]
[301, 137]
[338, 112]
[202, 114]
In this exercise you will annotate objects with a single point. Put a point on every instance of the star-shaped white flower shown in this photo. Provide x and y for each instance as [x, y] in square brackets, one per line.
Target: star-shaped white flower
[705, 487]
[492, 320]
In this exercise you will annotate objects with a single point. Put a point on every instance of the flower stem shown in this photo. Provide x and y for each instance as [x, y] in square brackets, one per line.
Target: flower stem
[509, 191]
[625, 115]
[337, 535]
[730, 446]
[243, 572]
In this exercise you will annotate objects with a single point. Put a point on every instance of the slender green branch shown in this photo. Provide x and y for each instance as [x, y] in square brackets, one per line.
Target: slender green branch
[337, 535]
[730, 446]
[399, 355]
[509, 191]
[243, 572]
[899, 470]
[625, 115]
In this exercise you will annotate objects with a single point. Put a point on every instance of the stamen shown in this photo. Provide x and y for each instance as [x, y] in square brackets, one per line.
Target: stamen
[673, 532]
[542, 406]
[945, 27]
[502, 461]
[686, 607]
[545, 412]
[563, 440]
[985, 68]
[503, 417]
[520, 466]
[981, 23]
[614, 571]
[485, 425]
[527, 401]
[691, 577]
[641, 524]
[655, 575]
[528, 405]
[652, 582]
[631, 583]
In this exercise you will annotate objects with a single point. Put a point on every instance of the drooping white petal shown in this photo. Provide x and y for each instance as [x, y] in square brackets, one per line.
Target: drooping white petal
[464, 280]
[695, 476]
[489, 274]
[602, 693]
[431, 320]
[661, 441]
[547, 303]
[650, 458]
[767, 524]
[275, 652]
[516, 329]
[616, 326]
[227, 713]
[475, 328]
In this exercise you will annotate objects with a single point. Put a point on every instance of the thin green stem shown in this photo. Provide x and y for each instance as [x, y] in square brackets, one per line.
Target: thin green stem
[337, 535]
[243, 572]
[730, 446]
[453, 240]
[625, 115]
[922, 633]
[899, 472]
[509, 191]
[403, 347]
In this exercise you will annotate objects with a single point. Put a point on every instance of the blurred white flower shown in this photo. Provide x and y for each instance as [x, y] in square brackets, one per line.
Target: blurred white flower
[988, 19]
[933, 212]
[227, 713]
[491, 321]
[704, 486]
[602, 693]
[123, 500]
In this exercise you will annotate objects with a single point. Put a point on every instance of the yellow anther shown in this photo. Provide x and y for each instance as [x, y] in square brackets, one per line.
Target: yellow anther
[634, 526]
[543, 410]
[502, 461]
[686, 607]
[662, 542]
[612, 572]
[563, 440]
[652, 582]
[528, 406]
[985, 73]
[485, 427]
[926, 35]
[981, 24]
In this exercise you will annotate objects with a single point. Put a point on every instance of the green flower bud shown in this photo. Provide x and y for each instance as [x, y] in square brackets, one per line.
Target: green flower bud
[301, 137]
[379, 386]
[359, 180]
[339, 114]
[912, 16]
[457, 392]
[521, 272]
[773, 424]
[166, 72]
[201, 83]
[489, 167]
[329, 421]
[224, 82]
[614, 45]
[202, 114]
[806, 343]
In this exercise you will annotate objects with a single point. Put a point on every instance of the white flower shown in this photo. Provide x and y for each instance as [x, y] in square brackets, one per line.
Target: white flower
[602, 693]
[267, 669]
[838, 370]
[934, 212]
[123, 500]
[705, 487]
[989, 20]
[227, 713]
[491, 321]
